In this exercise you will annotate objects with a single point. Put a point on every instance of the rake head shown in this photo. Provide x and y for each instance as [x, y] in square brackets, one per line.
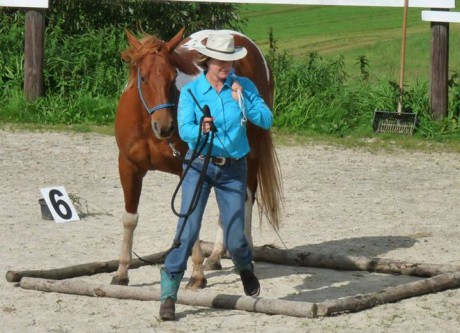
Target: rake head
[394, 122]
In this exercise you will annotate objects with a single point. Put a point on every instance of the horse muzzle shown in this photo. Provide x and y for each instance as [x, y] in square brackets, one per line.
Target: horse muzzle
[163, 130]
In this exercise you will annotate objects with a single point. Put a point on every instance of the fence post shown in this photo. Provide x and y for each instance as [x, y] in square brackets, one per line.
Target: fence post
[439, 69]
[34, 53]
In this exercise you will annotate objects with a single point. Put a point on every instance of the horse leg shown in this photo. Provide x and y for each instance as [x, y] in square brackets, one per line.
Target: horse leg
[219, 249]
[249, 204]
[131, 181]
[197, 279]
[129, 224]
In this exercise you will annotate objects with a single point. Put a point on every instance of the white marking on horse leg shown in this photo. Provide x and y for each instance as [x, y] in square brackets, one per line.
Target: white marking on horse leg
[197, 278]
[248, 217]
[129, 225]
[218, 250]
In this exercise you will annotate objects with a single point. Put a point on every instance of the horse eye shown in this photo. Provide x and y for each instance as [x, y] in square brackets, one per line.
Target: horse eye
[143, 79]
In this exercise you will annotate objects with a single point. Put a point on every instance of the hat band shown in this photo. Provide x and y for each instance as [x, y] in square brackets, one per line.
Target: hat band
[226, 52]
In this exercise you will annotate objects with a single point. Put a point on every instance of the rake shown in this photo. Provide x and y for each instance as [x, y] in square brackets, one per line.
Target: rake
[397, 122]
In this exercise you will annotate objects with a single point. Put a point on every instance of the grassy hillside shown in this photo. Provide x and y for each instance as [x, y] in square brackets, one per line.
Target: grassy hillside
[351, 32]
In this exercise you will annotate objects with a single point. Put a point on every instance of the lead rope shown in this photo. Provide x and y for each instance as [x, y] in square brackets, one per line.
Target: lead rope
[199, 186]
[241, 103]
[242, 106]
[196, 152]
[196, 195]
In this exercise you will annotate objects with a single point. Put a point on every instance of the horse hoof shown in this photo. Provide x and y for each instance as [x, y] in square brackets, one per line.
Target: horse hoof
[211, 265]
[196, 283]
[119, 282]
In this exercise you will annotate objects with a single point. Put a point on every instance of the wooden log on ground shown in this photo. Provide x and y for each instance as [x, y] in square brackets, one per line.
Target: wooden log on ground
[390, 295]
[342, 262]
[263, 253]
[187, 297]
[83, 269]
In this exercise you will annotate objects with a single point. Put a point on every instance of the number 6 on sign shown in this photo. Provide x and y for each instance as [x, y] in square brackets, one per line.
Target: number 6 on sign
[59, 204]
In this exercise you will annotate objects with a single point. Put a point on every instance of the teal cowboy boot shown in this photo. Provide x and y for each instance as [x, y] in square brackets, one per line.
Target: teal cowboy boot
[169, 288]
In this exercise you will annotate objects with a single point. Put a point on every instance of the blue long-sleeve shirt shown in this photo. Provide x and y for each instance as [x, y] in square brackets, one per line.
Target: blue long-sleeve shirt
[231, 139]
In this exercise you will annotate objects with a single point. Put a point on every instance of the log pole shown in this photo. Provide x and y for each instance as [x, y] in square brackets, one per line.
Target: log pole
[342, 262]
[390, 295]
[262, 305]
[91, 268]
[263, 253]
[186, 297]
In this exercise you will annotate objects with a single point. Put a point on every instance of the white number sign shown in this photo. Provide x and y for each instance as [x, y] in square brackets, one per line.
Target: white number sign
[59, 204]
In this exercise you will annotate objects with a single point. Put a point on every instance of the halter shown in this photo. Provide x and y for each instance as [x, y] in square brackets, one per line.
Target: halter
[150, 110]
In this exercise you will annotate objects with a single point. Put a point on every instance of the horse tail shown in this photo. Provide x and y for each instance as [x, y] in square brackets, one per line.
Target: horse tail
[269, 191]
[270, 196]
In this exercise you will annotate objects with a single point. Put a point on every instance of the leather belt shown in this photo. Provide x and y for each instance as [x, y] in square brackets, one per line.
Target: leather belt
[221, 161]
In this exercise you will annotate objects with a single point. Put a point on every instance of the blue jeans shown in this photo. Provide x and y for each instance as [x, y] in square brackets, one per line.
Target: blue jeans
[229, 183]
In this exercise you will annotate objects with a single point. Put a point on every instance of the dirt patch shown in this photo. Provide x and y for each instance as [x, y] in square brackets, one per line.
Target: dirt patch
[402, 206]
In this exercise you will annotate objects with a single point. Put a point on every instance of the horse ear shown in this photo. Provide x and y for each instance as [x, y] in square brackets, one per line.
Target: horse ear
[133, 41]
[171, 45]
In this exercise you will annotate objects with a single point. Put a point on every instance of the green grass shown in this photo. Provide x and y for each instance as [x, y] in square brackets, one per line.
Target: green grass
[374, 32]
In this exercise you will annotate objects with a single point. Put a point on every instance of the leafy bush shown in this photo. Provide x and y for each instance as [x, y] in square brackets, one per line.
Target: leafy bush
[315, 95]
[164, 19]
[11, 51]
[84, 76]
[83, 71]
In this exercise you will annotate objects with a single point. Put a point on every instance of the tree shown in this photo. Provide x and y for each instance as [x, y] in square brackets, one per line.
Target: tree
[163, 19]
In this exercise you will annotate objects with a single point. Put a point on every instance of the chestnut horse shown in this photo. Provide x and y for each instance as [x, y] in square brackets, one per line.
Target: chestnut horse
[147, 136]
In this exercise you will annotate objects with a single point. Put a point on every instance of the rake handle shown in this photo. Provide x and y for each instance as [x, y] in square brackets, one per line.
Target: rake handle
[403, 56]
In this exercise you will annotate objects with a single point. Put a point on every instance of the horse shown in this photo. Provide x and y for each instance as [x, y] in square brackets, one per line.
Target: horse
[147, 137]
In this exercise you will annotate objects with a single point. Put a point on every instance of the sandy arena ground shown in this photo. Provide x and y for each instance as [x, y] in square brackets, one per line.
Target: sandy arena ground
[400, 205]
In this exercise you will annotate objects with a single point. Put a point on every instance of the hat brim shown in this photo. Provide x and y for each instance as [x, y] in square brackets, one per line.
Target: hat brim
[237, 54]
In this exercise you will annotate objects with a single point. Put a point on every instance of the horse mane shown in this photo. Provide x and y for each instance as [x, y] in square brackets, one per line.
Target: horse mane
[148, 44]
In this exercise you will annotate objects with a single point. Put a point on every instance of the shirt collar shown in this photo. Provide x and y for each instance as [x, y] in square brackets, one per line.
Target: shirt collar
[204, 86]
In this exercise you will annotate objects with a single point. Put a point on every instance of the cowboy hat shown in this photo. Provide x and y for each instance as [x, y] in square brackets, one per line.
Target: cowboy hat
[221, 46]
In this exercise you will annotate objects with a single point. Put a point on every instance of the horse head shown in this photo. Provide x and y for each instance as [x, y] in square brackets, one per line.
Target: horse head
[154, 72]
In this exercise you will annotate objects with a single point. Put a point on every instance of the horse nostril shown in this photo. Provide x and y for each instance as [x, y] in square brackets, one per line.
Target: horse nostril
[163, 131]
